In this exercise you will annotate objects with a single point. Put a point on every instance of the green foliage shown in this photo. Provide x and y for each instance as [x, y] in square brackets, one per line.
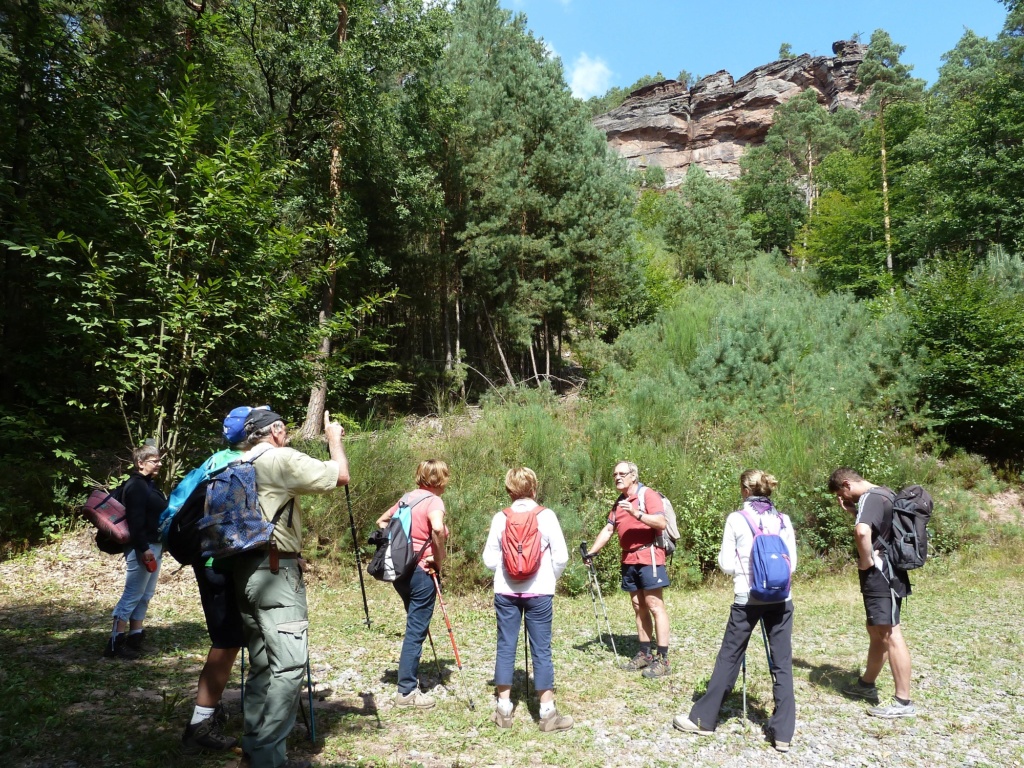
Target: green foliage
[967, 325]
[786, 52]
[704, 228]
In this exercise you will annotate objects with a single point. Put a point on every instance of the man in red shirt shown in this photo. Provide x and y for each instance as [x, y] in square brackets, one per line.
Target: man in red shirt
[643, 564]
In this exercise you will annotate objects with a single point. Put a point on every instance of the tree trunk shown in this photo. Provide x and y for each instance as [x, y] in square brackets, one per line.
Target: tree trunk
[885, 194]
[497, 345]
[313, 424]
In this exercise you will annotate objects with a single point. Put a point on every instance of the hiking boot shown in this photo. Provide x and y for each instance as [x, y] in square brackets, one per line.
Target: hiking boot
[658, 668]
[555, 722]
[781, 746]
[416, 700]
[135, 642]
[205, 734]
[502, 720]
[119, 649]
[686, 725]
[861, 690]
[893, 709]
[639, 661]
[220, 715]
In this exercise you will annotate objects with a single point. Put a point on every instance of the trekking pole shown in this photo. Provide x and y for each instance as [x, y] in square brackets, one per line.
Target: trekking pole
[597, 585]
[744, 667]
[526, 659]
[767, 653]
[430, 637]
[359, 560]
[309, 687]
[243, 682]
[451, 636]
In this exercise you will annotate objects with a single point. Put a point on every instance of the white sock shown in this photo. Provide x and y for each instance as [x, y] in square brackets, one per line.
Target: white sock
[546, 708]
[505, 706]
[201, 713]
[134, 632]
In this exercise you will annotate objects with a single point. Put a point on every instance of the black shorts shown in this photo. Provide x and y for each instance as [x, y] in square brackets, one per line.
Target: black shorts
[636, 577]
[220, 607]
[882, 610]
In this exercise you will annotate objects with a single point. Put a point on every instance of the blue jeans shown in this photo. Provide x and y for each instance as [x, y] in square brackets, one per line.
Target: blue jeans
[139, 586]
[418, 595]
[537, 612]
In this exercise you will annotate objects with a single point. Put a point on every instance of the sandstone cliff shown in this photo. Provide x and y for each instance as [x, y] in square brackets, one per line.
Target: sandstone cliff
[713, 123]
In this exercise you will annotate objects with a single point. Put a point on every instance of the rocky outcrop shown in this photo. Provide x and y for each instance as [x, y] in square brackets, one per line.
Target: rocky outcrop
[713, 123]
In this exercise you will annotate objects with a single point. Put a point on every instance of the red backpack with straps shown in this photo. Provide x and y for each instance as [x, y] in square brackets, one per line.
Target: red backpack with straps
[521, 544]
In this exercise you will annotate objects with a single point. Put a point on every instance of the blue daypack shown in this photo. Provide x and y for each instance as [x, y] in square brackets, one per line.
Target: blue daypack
[233, 522]
[770, 573]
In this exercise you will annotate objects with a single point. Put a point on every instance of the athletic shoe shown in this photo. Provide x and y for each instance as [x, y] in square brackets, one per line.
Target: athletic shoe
[861, 690]
[782, 746]
[894, 709]
[502, 720]
[658, 668]
[415, 700]
[554, 722]
[118, 648]
[205, 735]
[686, 725]
[639, 661]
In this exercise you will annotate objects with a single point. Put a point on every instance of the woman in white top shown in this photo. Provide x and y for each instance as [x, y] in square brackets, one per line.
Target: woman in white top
[529, 599]
[758, 513]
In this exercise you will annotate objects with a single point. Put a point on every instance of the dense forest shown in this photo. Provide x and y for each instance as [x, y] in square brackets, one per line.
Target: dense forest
[389, 206]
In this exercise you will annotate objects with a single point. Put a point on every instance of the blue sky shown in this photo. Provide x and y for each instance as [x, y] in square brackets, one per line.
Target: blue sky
[605, 43]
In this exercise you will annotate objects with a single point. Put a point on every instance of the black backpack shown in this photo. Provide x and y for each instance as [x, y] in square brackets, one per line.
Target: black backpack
[907, 547]
[183, 538]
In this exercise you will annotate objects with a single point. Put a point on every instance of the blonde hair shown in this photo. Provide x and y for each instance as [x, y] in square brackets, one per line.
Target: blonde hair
[758, 482]
[432, 473]
[521, 483]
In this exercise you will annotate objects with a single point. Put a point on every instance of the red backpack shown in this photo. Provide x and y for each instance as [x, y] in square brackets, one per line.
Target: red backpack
[521, 544]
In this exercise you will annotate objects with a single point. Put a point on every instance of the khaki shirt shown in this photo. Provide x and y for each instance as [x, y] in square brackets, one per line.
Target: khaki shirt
[283, 474]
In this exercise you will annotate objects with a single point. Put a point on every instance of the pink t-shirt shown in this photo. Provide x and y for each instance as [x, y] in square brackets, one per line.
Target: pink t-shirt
[422, 502]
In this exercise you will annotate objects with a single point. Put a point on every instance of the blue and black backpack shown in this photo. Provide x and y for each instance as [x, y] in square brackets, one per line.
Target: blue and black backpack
[770, 572]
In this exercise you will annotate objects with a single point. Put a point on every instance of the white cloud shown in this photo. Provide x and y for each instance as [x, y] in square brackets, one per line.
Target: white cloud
[589, 77]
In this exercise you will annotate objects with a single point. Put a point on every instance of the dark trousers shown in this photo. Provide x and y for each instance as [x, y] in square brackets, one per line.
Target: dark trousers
[743, 619]
[418, 595]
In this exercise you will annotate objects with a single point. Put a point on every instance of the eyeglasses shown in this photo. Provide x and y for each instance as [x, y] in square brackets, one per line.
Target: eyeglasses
[153, 461]
[622, 474]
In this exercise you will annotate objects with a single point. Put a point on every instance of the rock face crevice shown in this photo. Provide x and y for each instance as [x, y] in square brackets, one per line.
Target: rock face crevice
[712, 124]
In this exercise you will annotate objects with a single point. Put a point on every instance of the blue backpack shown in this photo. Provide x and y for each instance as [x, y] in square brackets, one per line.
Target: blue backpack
[233, 522]
[770, 573]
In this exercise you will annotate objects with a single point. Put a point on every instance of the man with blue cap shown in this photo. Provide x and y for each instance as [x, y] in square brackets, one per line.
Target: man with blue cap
[220, 607]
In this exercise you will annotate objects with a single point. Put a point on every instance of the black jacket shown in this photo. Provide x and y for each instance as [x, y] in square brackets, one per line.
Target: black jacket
[143, 503]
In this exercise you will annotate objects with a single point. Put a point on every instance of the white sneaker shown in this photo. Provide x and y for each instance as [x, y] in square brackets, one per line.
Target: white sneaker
[684, 724]
[415, 700]
[893, 709]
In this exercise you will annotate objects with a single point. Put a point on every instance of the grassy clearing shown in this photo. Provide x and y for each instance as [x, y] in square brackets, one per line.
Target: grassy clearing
[62, 704]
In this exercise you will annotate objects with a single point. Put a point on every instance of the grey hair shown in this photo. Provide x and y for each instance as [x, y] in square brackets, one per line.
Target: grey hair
[262, 433]
[632, 468]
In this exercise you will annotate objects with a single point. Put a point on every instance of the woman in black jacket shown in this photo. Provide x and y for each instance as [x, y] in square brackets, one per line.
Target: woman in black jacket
[143, 503]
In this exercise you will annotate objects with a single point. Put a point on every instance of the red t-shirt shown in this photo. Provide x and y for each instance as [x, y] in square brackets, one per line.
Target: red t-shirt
[635, 538]
[420, 528]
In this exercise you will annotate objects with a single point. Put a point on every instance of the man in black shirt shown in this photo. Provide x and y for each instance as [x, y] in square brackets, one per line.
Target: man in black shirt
[882, 587]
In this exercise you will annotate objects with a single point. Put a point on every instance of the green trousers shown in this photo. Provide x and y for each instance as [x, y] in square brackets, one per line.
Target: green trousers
[275, 621]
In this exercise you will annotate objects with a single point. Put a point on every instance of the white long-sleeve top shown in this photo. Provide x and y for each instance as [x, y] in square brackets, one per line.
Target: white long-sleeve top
[738, 540]
[554, 553]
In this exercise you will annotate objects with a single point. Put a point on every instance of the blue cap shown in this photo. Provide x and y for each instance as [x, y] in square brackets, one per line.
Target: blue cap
[234, 424]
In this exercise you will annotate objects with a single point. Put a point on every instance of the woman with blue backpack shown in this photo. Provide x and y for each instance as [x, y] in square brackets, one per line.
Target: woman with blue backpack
[759, 552]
